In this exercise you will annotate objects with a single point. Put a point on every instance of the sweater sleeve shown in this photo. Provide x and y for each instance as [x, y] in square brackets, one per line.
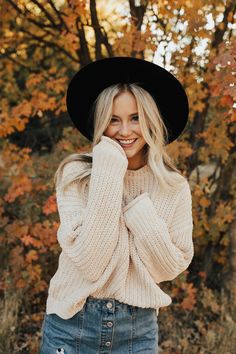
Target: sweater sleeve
[166, 252]
[89, 235]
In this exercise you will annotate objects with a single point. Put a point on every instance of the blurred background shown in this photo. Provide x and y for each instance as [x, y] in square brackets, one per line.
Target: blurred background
[42, 44]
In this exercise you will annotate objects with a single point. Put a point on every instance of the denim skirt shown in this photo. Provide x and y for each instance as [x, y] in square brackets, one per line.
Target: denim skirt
[102, 326]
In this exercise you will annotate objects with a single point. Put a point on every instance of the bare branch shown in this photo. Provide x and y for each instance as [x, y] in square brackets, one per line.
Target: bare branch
[58, 13]
[40, 25]
[15, 61]
[49, 43]
[219, 33]
[47, 14]
[137, 13]
[100, 36]
[83, 51]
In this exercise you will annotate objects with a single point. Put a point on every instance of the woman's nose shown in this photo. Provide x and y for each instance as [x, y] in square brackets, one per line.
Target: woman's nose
[125, 129]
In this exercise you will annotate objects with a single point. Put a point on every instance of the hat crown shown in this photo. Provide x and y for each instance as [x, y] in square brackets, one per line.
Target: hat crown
[92, 79]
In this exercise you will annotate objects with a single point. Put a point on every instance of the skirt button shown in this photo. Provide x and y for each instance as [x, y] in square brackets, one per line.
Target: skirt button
[107, 344]
[109, 305]
[109, 324]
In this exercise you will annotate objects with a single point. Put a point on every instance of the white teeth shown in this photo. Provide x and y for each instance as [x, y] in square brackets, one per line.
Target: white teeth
[126, 141]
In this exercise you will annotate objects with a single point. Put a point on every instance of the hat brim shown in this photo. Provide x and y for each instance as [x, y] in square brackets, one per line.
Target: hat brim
[91, 80]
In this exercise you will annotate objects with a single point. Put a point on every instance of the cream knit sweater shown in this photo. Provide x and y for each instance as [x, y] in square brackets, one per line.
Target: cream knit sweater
[114, 250]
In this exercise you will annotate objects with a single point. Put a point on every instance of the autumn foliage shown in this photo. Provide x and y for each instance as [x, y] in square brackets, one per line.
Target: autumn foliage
[43, 43]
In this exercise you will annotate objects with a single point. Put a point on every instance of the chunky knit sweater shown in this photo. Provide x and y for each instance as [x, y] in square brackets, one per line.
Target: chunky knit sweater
[118, 244]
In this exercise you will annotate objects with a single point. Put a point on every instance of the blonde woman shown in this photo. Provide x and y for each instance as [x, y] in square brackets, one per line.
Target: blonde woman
[125, 211]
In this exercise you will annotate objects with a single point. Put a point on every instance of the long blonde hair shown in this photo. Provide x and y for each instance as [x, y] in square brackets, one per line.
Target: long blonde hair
[152, 127]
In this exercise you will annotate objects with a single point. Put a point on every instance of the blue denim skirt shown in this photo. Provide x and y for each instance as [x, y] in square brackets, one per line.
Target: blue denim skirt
[102, 326]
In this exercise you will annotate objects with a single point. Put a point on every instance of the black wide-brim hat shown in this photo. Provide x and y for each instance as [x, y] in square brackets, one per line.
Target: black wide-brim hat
[92, 79]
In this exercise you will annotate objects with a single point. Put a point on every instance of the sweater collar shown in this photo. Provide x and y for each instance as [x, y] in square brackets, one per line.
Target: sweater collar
[139, 172]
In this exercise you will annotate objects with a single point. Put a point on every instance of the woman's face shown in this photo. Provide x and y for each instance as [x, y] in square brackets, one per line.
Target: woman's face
[124, 125]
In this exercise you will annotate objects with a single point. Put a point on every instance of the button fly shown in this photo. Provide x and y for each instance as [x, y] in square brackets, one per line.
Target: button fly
[109, 324]
[109, 305]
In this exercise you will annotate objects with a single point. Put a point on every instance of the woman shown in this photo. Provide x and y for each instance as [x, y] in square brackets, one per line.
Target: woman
[125, 211]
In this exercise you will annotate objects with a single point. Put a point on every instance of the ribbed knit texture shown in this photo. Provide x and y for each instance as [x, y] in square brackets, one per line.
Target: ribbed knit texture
[115, 244]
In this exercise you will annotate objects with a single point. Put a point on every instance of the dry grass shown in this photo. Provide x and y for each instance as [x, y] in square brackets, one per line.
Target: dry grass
[199, 331]
[9, 308]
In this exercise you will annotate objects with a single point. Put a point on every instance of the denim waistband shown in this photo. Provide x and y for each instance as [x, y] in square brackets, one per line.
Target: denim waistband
[113, 305]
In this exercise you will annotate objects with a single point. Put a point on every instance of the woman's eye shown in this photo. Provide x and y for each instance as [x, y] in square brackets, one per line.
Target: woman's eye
[134, 117]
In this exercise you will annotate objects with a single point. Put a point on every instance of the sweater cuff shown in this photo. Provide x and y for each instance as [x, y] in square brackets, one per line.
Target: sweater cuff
[114, 143]
[142, 214]
[134, 201]
[109, 160]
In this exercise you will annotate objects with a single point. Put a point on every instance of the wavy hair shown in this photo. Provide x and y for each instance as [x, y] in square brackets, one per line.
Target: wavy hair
[153, 130]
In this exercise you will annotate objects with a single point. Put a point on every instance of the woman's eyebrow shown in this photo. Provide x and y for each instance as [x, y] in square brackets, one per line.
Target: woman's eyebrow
[132, 114]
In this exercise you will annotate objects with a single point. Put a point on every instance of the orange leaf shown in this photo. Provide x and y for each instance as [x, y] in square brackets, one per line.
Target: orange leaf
[50, 206]
[31, 256]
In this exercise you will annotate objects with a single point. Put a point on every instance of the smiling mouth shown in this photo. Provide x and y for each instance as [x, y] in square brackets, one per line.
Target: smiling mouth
[125, 145]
